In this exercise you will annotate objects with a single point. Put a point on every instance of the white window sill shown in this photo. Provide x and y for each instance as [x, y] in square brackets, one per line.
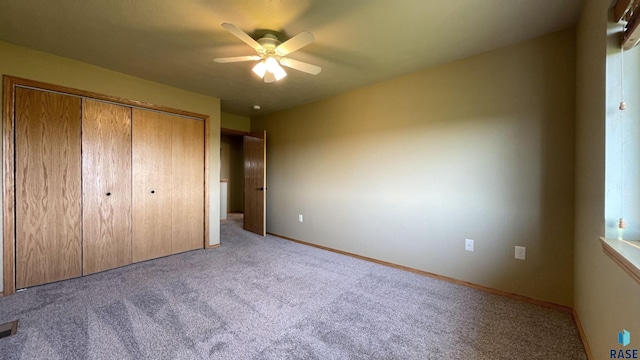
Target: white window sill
[624, 253]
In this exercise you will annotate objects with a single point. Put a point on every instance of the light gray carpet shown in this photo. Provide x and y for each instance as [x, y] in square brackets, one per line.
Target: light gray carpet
[268, 298]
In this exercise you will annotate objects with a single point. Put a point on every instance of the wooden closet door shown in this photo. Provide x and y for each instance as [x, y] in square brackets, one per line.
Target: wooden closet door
[187, 174]
[48, 187]
[151, 151]
[106, 189]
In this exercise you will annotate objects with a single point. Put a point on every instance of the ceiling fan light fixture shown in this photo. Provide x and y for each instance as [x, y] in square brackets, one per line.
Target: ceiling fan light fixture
[279, 72]
[271, 68]
[260, 69]
[272, 64]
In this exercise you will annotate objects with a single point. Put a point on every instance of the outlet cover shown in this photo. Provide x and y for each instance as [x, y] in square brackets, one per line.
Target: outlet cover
[468, 244]
[300, 218]
[521, 252]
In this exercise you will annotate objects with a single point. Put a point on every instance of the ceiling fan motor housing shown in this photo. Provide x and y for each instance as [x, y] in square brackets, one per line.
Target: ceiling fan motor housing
[269, 42]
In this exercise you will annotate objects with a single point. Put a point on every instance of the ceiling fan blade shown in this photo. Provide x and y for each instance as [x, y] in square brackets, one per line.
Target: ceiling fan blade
[295, 43]
[301, 66]
[236, 59]
[242, 36]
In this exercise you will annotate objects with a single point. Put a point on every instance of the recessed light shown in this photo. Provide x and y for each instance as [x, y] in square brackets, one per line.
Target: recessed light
[256, 107]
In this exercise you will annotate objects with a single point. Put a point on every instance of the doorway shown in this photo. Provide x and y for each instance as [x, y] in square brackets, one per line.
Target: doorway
[231, 173]
[243, 178]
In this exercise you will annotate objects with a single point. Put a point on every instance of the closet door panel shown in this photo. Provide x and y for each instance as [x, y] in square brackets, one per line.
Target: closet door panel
[151, 151]
[187, 153]
[48, 187]
[106, 190]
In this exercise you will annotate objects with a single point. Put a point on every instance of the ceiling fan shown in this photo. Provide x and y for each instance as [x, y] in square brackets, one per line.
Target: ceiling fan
[271, 54]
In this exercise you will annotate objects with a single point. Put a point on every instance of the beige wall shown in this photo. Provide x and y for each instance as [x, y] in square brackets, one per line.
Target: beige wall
[405, 170]
[26, 63]
[235, 122]
[606, 298]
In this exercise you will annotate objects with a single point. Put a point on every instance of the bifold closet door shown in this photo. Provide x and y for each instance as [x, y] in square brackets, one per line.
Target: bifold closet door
[151, 151]
[48, 187]
[106, 189]
[187, 179]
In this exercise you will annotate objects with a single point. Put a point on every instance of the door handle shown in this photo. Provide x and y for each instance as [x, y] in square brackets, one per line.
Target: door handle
[262, 188]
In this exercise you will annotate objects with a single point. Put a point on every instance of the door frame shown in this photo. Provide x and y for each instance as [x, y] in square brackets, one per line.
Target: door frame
[234, 133]
[10, 83]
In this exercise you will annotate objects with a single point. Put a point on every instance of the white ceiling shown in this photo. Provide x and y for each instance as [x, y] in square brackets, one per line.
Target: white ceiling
[358, 42]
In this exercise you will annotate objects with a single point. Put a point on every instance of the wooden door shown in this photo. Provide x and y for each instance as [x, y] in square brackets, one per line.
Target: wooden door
[151, 163]
[255, 182]
[187, 174]
[106, 189]
[48, 187]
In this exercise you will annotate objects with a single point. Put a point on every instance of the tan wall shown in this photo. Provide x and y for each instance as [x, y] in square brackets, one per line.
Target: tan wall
[235, 122]
[606, 298]
[26, 63]
[405, 170]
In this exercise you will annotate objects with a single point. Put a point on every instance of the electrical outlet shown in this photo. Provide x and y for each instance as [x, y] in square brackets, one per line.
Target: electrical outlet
[300, 218]
[468, 244]
[521, 252]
